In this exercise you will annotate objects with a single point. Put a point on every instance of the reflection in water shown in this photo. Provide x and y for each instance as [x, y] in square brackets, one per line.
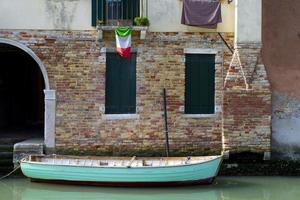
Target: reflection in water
[226, 188]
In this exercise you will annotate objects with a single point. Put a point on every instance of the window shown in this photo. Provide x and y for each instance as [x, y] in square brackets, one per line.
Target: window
[120, 97]
[115, 12]
[200, 84]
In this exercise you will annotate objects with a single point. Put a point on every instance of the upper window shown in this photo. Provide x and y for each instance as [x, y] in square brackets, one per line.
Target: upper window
[120, 92]
[115, 12]
[200, 84]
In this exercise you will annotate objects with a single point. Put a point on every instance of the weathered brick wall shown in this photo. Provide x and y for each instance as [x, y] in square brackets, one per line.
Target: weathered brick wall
[247, 111]
[76, 70]
[161, 64]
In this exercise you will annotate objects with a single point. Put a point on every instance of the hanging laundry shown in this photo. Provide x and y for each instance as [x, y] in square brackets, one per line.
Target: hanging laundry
[123, 41]
[202, 13]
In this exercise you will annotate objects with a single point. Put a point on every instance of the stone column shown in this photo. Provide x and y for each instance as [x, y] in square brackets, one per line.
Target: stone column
[50, 107]
[247, 94]
[248, 21]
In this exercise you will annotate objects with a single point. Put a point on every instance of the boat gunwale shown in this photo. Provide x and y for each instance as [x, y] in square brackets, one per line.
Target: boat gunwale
[126, 167]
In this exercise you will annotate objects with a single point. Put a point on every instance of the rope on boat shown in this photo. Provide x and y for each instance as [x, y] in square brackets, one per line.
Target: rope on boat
[10, 173]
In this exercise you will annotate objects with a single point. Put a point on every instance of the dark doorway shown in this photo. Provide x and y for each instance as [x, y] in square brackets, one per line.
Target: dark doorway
[21, 95]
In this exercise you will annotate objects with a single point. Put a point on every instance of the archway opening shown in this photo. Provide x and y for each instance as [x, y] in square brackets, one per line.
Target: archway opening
[22, 97]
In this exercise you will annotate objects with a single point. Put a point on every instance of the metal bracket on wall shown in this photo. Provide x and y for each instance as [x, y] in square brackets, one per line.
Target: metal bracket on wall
[224, 41]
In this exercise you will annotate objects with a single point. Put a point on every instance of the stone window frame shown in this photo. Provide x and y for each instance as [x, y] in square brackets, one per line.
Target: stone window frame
[49, 98]
[104, 116]
[218, 61]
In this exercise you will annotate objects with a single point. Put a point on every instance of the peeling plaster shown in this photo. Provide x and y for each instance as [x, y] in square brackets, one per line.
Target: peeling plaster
[285, 125]
[61, 12]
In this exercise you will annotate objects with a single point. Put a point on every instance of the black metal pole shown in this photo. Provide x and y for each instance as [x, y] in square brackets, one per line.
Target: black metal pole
[224, 41]
[166, 122]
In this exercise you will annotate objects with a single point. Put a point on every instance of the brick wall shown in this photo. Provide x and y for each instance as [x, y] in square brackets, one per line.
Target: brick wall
[247, 103]
[76, 70]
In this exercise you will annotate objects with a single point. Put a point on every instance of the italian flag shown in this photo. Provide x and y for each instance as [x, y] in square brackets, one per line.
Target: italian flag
[123, 41]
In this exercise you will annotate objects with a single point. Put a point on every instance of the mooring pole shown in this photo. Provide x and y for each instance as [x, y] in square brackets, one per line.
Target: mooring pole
[166, 123]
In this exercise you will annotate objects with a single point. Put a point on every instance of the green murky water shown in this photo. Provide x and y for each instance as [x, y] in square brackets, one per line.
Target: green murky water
[226, 188]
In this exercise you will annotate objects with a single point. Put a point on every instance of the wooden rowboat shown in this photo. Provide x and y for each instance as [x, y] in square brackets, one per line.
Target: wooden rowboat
[122, 171]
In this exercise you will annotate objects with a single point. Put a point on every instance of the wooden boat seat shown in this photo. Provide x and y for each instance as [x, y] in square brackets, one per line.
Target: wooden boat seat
[147, 163]
[116, 162]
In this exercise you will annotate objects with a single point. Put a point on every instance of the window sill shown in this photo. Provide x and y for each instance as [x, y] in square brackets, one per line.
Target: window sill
[200, 51]
[198, 116]
[101, 28]
[113, 27]
[113, 50]
[120, 116]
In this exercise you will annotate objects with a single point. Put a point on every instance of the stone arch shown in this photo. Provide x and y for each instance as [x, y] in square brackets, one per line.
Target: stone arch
[50, 95]
[33, 55]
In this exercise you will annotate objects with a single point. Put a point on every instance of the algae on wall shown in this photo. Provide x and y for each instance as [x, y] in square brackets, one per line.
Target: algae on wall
[61, 12]
[285, 125]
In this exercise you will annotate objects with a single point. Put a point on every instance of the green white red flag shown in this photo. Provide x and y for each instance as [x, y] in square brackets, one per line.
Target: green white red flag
[123, 41]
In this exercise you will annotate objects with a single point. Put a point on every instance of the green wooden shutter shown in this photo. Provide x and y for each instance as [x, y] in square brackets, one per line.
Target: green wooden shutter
[102, 10]
[98, 11]
[126, 10]
[112, 83]
[136, 9]
[131, 9]
[120, 95]
[94, 12]
[200, 84]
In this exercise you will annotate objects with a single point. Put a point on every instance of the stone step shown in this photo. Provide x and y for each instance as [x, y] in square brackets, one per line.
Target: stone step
[6, 161]
[10, 141]
[6, 147]
[6, 155]
[6, 169]
[16, 174]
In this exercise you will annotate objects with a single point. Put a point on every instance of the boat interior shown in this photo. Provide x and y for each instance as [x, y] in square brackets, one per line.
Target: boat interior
[119, 161]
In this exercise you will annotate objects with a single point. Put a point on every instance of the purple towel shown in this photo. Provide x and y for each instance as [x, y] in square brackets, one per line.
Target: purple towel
[203, 13]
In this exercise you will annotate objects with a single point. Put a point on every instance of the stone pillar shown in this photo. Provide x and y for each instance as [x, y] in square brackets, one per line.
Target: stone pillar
[50, 107]
[248, 21]
[247, 94]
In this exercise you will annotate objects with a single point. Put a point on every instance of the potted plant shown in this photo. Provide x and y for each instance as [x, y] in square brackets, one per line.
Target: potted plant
[141, 21]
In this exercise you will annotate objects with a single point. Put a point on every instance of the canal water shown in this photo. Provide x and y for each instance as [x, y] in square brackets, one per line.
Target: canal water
[226, 188]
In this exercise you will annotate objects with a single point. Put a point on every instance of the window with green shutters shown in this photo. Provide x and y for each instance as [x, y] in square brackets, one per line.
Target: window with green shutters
[120, 92]
[200, 83]
[111, 11]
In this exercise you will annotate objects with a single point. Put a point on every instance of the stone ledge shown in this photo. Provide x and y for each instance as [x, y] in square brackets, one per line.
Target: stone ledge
[199, 116]
[120, 116]
[260, 168]
[109, 28]
[200, 51]
[27, 147]
[249, 45]
[113, 50]
[142, 29]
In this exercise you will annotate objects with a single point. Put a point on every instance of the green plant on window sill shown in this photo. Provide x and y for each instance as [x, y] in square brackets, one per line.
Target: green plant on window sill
[141, 21]
[100, 22]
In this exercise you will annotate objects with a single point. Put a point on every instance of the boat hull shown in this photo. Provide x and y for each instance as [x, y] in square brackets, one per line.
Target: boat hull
[194, 174]
[128, 184]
